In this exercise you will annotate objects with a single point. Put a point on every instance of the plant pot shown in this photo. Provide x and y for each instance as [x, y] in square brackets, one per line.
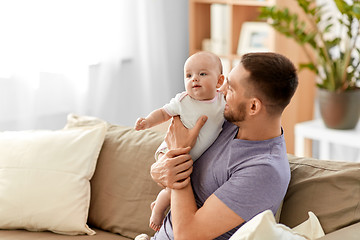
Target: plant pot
[339, 110]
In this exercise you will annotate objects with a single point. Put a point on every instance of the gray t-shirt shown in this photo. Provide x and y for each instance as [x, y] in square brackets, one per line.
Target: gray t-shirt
[248, 176]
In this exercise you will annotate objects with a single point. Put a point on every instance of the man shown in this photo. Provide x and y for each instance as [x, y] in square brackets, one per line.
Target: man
[245, 171]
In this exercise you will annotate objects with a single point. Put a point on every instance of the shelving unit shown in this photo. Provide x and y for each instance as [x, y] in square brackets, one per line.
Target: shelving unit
[240, 11]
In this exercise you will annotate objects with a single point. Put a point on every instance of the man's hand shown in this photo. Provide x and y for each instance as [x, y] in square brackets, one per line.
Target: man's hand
[178, 136]
[173, 169]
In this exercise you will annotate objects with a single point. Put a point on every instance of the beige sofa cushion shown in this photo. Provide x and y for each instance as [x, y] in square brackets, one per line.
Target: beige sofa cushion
[329, 189]
[122, 188]
[45, 178]
[348, 233]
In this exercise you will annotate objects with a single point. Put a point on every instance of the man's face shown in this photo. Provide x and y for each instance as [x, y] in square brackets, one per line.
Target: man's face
[234, 92]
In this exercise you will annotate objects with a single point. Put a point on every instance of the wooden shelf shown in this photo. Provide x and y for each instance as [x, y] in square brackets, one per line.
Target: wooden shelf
[240, 11]
[239, 2]
[211, 1]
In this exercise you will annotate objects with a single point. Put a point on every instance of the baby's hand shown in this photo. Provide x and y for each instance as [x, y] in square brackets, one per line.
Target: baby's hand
[141, 124]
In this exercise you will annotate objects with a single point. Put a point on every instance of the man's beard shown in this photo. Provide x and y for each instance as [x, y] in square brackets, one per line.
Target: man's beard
[238, 116]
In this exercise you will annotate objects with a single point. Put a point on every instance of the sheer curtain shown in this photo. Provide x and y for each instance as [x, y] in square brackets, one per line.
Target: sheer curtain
[114, 59]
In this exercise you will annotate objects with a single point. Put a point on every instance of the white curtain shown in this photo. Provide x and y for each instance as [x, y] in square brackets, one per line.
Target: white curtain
[113, 59]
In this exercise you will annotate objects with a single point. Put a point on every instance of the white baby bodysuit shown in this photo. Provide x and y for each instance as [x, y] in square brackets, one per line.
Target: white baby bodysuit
[189, 110]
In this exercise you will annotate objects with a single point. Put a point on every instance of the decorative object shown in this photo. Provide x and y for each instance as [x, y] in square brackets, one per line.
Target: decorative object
[333, 54]
[255, 37]
[340, 110]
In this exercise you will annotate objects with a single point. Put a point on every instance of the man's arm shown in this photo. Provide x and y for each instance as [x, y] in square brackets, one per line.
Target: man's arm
[208, 222]
[214, 217]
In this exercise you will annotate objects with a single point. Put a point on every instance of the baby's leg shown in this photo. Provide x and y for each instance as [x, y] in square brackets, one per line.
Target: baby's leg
[158, 208]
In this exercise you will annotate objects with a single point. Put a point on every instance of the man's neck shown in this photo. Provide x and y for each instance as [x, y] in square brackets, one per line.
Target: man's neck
[259, 130]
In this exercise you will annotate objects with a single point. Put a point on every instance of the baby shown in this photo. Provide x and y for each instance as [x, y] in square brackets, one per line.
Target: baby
[203, 76]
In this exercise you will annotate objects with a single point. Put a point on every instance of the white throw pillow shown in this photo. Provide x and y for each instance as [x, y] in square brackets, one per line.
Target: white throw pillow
[44, 178]
[311, 228]
[264, 226]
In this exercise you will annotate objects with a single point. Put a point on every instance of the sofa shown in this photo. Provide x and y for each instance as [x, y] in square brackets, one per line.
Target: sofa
[117, 204]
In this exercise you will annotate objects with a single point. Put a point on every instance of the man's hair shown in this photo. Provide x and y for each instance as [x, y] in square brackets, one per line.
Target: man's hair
[273, 79]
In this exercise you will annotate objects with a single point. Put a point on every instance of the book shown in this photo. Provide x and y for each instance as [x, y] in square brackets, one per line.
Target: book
[220, 28]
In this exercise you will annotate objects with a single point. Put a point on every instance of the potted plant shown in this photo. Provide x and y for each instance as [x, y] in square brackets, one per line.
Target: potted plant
[333, 55]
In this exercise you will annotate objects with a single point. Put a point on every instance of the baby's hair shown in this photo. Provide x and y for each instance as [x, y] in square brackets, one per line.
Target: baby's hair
[215, 57]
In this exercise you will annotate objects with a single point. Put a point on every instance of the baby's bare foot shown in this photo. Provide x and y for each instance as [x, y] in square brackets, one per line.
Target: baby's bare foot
[156, 218]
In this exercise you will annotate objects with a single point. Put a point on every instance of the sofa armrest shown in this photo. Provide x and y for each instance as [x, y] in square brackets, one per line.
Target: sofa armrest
[351, 232]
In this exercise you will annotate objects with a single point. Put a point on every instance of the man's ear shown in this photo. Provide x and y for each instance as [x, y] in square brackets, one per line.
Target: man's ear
[255, 106]
[220, 81]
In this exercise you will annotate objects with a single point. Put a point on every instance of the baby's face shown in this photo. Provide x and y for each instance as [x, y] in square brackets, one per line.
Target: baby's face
[201, 78]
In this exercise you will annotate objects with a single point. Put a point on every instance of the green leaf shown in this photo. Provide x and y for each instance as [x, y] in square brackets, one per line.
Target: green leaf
[309, 66]
[356, 10]
[342, 6]
[333, 43]
[328, 28]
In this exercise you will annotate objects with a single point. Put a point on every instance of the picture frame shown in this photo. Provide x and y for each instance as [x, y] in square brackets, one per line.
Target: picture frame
[255, 37]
